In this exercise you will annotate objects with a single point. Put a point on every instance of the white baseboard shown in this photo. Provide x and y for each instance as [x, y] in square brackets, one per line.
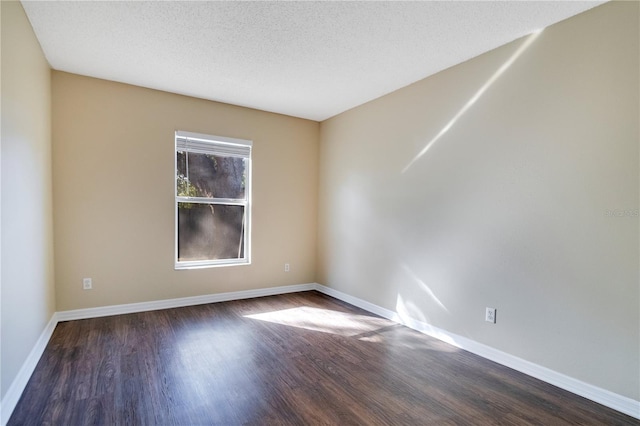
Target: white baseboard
[12, 396]
[180, 302]
[607, 398]
[617, 402]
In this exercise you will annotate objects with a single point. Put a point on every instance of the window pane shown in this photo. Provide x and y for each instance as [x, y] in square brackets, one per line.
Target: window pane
[210, 232]
[210, 176]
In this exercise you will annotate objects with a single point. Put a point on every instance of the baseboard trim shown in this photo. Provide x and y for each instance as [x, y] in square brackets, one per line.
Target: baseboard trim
[607, 398]
[14, 392]
[155, 305]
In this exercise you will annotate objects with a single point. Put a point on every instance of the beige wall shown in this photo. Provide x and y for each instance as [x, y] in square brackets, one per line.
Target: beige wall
[113, 154]
[508, 208]
[27, 238]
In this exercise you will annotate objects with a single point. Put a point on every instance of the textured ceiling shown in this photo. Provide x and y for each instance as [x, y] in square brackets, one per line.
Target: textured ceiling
[305, 59]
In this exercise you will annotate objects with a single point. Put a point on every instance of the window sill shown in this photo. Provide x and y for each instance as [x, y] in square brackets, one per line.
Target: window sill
[203, 265]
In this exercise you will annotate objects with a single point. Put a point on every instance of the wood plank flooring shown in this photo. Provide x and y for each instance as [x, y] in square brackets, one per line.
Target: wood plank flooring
[296, 359]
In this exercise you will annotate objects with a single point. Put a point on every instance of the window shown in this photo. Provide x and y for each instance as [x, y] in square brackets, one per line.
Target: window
[213, 196]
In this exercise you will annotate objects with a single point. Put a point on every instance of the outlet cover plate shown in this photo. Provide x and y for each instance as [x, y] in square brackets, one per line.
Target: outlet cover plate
[490, 315]
[87, 284]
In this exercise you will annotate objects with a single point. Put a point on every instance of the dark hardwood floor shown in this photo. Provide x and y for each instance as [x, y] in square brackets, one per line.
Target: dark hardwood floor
[301, 358]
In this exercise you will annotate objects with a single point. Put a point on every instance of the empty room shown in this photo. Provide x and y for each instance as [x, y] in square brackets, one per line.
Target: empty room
[385, 213]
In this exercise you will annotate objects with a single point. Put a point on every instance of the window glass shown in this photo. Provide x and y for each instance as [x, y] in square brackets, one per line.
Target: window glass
[210, 176]
[210, 231]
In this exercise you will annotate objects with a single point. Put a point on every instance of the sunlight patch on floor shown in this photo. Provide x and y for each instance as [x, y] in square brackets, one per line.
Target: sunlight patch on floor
[376, 338]
[325, 321]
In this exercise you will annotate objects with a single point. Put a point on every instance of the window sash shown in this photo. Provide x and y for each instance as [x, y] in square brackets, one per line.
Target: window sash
[215, 145]
[223, 201]
[204, 263]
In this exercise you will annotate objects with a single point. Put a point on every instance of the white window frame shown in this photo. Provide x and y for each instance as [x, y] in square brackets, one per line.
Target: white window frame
[221, 146]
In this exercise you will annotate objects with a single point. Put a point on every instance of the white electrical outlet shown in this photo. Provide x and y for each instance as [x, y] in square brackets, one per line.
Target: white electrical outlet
[87, 284]
[286, 267]
[490, 315]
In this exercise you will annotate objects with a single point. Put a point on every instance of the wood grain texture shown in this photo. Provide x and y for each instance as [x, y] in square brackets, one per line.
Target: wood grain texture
[293, 359]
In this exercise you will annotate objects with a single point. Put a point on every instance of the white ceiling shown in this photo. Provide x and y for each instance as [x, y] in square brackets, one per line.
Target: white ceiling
[306, 59]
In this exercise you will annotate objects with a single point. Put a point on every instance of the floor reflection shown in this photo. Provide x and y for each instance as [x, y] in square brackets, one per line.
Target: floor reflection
[323, 320]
